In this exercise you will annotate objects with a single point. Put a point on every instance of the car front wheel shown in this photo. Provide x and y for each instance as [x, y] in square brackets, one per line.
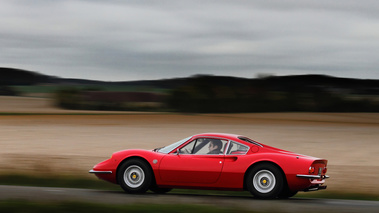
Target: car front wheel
[264, 181]
[134, 176]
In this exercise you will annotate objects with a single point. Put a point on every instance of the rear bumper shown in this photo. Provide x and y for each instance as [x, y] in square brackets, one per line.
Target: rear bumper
[315, 188]
[316, 181]
[322, 177]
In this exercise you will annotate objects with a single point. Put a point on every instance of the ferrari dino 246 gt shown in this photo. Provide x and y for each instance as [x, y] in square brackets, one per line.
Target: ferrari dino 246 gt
[215, 161]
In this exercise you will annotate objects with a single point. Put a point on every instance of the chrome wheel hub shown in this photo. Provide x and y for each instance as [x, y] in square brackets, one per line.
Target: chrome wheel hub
[134, 176]
[264, 181]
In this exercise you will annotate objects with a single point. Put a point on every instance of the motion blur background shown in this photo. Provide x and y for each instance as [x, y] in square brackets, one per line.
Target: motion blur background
[82, 79]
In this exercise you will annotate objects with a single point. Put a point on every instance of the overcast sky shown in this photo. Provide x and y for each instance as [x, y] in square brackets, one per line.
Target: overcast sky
[121, 40]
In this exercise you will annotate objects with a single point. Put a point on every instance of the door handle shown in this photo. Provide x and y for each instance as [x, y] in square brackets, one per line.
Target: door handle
[234, 158]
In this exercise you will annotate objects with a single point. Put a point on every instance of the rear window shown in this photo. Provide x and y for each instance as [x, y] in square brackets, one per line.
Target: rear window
[235, 148]
[249, 141]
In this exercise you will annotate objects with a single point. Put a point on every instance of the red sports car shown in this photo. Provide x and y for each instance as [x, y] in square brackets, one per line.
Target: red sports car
[215, 161]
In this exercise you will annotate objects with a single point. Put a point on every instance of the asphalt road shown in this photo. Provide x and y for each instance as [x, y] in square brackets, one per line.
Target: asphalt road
[118, 197]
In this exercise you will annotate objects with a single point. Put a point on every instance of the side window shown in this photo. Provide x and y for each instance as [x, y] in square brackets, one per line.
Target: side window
[236, 149]
[210, 146]
[188, 149]
[204, 146]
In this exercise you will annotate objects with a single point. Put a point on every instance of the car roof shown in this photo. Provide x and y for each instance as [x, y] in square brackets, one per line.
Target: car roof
[222, 135]
[233, 137]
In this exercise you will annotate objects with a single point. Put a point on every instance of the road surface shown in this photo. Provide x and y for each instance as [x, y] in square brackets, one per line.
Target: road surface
[118, 197]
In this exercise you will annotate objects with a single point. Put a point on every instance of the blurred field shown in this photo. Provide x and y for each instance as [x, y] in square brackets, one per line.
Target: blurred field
[71, 144]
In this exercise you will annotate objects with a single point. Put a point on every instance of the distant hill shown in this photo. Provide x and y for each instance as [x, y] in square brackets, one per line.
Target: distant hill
[10, 77]
[208, 93]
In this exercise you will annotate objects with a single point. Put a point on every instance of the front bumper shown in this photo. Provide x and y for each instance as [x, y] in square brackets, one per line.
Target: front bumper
[99, 172]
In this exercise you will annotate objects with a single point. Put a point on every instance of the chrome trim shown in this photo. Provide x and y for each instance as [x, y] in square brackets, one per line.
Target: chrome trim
[227, 147]
[100, 172]
[313, 176]
[215, 137]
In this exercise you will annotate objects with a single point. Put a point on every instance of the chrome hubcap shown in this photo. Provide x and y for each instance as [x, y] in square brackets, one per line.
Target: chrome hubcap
[264, 181]
[134, 176]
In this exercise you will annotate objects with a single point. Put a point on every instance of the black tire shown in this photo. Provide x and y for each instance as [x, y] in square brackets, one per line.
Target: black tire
[286, 193]
[135, 176]
[159, 190]
[264, 181]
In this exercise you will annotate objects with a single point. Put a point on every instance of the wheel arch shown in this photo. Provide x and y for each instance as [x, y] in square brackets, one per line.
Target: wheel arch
[134, 157]
[264, 162]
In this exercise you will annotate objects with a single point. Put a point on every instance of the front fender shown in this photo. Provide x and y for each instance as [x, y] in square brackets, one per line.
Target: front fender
[150, 157]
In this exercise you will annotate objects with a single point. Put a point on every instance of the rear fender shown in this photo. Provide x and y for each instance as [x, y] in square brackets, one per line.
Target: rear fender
[262, 162]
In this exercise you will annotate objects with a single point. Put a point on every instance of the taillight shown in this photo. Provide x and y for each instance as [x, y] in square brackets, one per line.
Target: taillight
[325, 169]
[311, 170]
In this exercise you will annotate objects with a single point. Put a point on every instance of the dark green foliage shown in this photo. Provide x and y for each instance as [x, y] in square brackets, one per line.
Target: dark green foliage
[68, 98]
[8, 91]
[56, 181]
[205, 94]
[210, 94]
[92, 99]
[72, 98]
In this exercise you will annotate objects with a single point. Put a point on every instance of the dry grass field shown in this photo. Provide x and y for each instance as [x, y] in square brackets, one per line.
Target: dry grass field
[48, 144]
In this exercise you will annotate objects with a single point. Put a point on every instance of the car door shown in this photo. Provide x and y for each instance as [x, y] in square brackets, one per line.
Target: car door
[196, 166]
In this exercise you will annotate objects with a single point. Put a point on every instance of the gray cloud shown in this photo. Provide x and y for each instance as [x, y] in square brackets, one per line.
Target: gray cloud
[129, 40]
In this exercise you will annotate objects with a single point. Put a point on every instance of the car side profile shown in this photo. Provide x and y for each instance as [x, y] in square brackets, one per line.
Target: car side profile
[215, 161]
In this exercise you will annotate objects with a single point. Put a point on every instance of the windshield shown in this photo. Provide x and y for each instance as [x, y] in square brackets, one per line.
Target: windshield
[169, 148]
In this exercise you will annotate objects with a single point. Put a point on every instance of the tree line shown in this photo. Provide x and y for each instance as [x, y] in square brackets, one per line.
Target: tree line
[215, 94]
[210, 94]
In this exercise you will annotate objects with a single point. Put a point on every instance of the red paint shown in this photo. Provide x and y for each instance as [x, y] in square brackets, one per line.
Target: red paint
[223, 171]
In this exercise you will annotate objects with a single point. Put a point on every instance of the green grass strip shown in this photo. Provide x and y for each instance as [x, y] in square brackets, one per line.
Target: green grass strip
[56, 181]
[14, 206]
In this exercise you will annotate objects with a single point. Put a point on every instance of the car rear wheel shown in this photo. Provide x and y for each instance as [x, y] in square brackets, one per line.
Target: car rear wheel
[264, 181]
[134, 176]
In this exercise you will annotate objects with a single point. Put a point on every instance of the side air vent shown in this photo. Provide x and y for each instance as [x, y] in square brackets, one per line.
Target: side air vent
[249, 141]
